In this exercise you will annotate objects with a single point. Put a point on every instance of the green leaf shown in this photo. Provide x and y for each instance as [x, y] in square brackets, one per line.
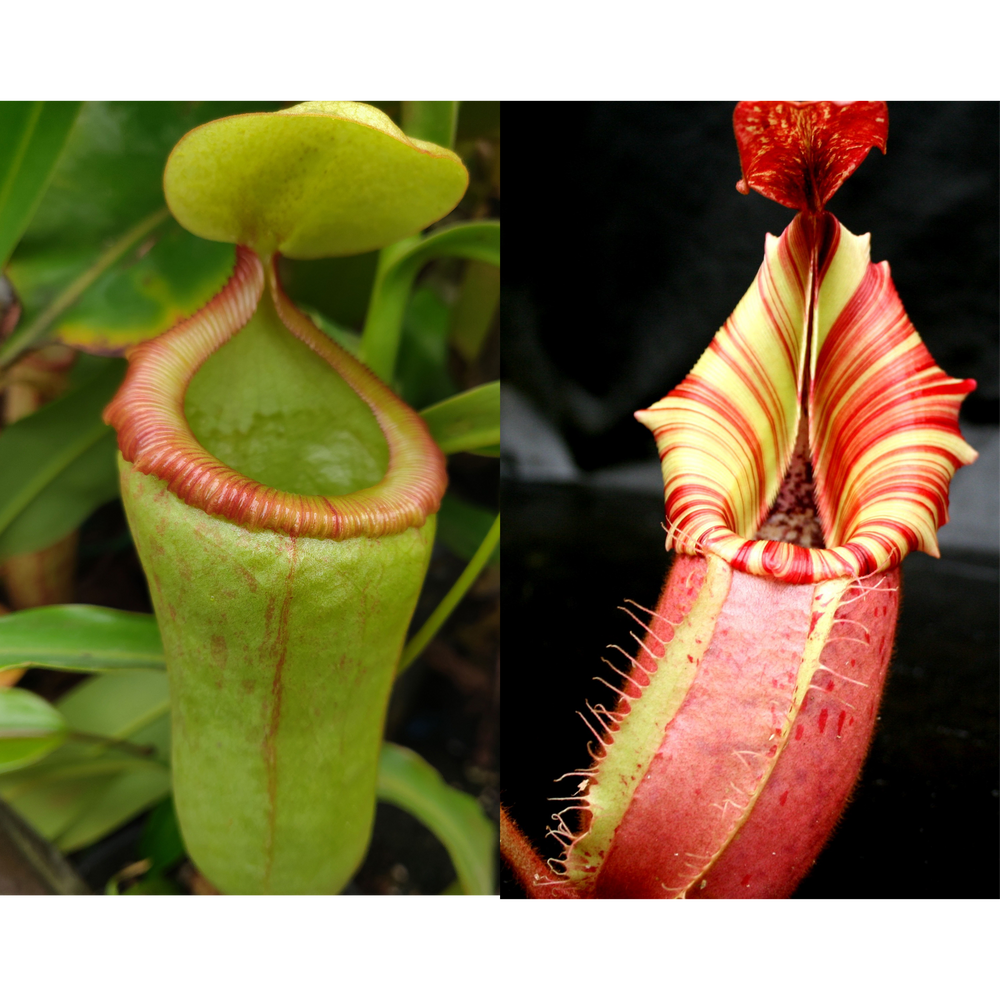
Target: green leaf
[472, 317]
[117, 705]
[165, 279]
[64, 264]
[58, 466]
[51, 795]
[422, 375]
[123, 798]
[32, 135]
[153, 885]
[416, 644]
[399, 266]
[433, 121]
[111, 171]
[406, 780]
[83, 791]
[468, 421]
[161, 841]
[463, 526]
[103, 206]
[30, 728]
[468, 240]
[348, 339]
[80, 637]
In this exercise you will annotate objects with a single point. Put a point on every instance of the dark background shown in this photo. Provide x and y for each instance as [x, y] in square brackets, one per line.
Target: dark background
[631, 249]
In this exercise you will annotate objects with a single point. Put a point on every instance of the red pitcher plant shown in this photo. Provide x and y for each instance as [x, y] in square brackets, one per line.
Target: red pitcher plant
[808, 451]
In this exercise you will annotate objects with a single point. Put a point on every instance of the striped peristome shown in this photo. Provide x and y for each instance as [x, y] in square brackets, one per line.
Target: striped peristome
[154, 435]
[821, 322]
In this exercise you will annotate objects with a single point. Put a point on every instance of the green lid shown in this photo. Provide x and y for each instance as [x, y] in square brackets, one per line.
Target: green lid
[321, 179]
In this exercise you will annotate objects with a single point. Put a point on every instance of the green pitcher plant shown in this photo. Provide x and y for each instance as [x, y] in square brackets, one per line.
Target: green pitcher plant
[808, 451]
[282, 498]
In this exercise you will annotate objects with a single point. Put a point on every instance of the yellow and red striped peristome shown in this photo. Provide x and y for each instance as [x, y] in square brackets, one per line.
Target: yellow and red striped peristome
[820, 337]
[154, 434]
[746, 715]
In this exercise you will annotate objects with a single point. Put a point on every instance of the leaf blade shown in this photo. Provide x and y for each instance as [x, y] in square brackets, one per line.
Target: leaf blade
[85, 790]
[84, 228]
[406, 780]
[398, 268]
[32, 136]
[30, 728]
[80, 637]
[125, 796]
[58, 466]
[415, 646]
[466, 422]
[462, 526]
[117, 705]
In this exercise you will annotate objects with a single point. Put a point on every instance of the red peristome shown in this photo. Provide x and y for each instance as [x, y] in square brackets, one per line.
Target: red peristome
[153, 433]
[799, 152]
[417, 476]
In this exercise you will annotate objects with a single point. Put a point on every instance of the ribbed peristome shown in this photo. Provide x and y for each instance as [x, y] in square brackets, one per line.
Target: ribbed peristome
[154, 435]
[882, 417]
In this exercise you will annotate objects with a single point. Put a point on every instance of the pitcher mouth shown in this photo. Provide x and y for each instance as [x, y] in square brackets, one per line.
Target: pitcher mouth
[154, 434]
[792, 563]
[820, 339]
